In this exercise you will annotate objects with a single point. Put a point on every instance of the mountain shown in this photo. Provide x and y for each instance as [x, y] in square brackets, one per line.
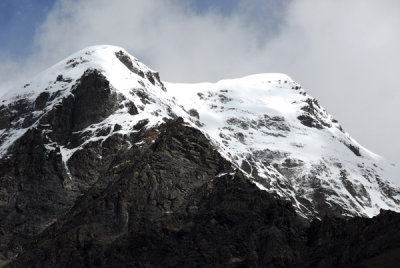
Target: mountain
[99, 158]
[278, 135]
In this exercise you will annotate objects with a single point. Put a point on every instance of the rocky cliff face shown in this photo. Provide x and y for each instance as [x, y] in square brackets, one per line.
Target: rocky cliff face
[36, 185]
[176, 202]
[102, 164]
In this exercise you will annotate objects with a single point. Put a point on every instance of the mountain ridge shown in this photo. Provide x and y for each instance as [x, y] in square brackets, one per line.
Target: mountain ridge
[265, 124]
[70, 133]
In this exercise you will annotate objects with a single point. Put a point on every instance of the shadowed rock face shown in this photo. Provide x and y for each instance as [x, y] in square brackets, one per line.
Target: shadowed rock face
[149, 183]
[92, 101]
[34, 187]
[164, 205]
[355, 242]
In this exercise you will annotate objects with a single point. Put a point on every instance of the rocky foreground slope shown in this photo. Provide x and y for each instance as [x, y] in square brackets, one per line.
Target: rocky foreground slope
[102, 164]
[150, 211]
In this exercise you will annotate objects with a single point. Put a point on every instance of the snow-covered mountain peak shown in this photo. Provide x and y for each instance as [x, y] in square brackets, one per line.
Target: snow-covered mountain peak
[112, 61]
[123, 75]
[282, 138]
[264, 124]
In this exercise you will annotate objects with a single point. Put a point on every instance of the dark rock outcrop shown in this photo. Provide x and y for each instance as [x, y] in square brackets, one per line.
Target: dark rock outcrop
[92, 101]
[153, 77]
[313, 115]
[35, 187]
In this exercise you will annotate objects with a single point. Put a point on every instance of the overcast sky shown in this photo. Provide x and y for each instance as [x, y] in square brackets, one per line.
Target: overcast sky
[343, 52]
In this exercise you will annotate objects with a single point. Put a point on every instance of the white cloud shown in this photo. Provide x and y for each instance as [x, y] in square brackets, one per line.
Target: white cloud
[183, 45]
[345, 53]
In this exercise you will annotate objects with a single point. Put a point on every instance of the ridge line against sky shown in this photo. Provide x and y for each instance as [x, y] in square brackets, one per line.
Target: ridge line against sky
[344, 53]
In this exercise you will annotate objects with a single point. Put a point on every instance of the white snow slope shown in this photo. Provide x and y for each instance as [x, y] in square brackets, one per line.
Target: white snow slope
[265, 124]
